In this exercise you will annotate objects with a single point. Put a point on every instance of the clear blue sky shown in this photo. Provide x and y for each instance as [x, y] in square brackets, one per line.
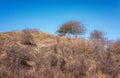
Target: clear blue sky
[48, 15]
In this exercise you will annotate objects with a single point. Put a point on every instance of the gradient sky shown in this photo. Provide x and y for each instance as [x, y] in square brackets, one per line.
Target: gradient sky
[48, 15]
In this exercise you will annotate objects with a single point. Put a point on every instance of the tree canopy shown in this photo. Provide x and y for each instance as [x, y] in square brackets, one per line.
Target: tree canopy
[72, 27]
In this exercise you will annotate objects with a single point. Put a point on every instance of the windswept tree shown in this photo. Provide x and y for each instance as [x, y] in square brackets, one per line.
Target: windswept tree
[72, 27]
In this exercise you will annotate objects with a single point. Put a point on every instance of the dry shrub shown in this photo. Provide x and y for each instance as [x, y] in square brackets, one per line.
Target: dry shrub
[104, 60]
[115, 47]
[113, 54]
[108, 66]
[3, 44]
[75, 55]
[55, 61]
[78, 68]
[16, 61]
[27, 37]
[64, 58]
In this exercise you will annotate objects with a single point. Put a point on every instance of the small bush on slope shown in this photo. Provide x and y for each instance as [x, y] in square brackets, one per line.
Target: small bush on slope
[16, 63]
[27, 38]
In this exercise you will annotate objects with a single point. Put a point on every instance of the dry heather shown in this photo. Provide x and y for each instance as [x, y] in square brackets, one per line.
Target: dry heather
[34, 54]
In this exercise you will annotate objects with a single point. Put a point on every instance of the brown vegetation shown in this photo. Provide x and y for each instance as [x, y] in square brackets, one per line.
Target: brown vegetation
[56, 57]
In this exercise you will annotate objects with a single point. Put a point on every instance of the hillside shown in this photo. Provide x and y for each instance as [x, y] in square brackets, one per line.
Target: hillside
[35, 54]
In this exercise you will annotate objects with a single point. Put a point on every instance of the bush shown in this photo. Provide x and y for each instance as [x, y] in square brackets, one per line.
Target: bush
[63, 57]
[16, 61]
[97, 34]
[27, 38]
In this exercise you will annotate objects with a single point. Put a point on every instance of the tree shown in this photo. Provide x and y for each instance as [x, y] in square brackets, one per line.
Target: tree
[97, 35]
[71, 27]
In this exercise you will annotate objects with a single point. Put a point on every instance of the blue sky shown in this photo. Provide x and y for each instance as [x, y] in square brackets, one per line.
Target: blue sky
[48, 15]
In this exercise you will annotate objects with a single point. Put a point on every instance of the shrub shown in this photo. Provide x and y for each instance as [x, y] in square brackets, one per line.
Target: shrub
[27, 38]
[16, 61]
[97, 34]
[63, 57]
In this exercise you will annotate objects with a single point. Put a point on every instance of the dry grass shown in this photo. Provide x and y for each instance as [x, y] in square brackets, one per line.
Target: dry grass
[56, 57]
